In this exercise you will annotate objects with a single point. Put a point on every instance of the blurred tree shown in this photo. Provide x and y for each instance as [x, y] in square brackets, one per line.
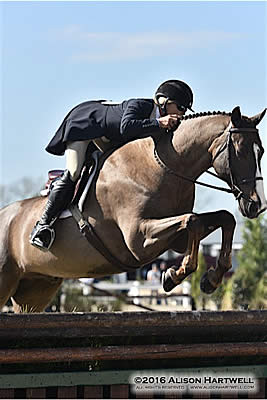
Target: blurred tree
[259, 299]
[22, 189]
[5, 195]
[224, 299]
[221, 296]
[199, 297]
[250, 280]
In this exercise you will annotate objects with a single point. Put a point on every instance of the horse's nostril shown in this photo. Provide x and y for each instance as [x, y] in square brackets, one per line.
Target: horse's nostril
[253, 208]
[249, 209]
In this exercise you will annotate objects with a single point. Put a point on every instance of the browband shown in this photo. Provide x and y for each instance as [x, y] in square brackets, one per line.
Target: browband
[240, 130]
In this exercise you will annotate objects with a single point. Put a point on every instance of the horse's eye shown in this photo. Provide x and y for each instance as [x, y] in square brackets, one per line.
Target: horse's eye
[260, 151]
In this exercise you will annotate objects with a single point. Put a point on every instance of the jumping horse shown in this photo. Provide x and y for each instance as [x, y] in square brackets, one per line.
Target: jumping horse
[140, 205]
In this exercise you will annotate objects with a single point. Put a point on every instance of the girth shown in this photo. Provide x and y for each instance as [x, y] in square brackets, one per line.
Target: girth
[89, 233]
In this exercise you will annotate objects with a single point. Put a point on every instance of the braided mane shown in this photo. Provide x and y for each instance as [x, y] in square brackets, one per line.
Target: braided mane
[204, 114]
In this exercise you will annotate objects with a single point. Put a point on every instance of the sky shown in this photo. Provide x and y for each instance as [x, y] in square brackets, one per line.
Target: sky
[55, 55]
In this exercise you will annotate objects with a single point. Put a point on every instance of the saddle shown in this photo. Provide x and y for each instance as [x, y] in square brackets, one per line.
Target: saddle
[83, 184]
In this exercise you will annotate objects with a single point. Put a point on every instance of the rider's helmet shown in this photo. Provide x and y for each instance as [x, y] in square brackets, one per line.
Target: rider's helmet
[174, 91]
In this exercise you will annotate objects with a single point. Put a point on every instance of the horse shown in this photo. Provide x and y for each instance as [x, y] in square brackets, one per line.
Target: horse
[140, 205]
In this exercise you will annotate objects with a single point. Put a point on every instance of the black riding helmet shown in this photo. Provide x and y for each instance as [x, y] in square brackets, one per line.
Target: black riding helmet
[177, 92]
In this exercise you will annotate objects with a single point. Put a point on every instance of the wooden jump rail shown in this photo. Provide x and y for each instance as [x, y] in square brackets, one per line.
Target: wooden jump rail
[131, 323]
[121, 343]
[151, 352]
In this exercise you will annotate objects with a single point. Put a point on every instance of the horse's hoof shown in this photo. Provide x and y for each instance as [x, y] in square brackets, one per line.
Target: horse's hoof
[167, 281]
[205, 284]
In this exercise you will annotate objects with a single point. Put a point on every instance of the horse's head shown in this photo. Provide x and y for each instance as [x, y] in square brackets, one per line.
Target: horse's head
[236, 158]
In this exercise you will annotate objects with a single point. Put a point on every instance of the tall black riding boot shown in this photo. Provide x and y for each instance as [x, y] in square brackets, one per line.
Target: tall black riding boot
[60, 197]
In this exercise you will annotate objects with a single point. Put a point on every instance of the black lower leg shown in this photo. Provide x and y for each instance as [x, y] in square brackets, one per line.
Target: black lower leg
[59, 198]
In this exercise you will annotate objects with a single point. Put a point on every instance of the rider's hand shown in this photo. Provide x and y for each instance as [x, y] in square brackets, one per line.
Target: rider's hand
[170, 121]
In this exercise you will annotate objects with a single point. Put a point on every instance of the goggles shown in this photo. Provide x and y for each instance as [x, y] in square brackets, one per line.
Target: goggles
[181, 108]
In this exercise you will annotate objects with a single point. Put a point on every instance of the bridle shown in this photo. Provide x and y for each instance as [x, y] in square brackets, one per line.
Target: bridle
[226, 146]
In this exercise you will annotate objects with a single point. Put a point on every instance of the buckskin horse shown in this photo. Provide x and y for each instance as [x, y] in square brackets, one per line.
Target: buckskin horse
[139, 206]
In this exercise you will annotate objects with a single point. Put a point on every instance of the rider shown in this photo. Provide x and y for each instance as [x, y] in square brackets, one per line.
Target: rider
[118, 124]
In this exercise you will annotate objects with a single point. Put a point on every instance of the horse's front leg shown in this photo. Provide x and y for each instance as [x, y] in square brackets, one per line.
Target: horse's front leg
[173, 277]
[159, 234]
[202, 225]
[213, 277]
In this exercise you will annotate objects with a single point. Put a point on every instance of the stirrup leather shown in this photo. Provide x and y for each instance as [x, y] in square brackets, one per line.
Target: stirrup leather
[42, 237]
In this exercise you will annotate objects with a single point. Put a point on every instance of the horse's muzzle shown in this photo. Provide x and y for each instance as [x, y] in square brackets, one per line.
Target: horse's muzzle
[250, 209]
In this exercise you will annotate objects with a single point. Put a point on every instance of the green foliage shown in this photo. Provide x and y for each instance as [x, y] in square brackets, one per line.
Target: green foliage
[222, 295]
[225, 300]
[199, 297]
[259, 299]
[250, 279]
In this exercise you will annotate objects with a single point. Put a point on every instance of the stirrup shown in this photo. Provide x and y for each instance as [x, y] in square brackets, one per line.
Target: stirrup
[43, 243]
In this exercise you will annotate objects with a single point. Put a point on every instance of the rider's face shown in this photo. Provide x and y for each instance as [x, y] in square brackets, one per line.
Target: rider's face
[172, 108]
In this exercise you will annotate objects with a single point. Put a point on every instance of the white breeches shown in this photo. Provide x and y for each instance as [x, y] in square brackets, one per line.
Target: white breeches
[75, 157]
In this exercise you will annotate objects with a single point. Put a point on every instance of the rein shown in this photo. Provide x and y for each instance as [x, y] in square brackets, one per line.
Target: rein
[225, 146]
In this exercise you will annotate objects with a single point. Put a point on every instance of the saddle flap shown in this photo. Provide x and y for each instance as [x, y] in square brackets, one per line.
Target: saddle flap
[87, 182]
[84, 183]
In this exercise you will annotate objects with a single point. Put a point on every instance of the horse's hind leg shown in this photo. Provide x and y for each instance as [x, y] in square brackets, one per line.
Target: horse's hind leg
[35, 293]
[198, 227]
[9, 279]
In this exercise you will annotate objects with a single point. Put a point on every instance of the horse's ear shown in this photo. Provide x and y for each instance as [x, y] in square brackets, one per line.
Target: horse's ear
[236, 117]
[257, 118]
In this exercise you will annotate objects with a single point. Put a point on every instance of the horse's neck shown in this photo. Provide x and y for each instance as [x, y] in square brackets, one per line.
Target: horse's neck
[191, 141]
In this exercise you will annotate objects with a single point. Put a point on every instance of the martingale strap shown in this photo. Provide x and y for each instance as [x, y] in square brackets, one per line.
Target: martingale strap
[170, 171]
[89, 233]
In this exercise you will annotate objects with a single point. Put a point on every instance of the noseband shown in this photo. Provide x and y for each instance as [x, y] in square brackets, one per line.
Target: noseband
[226, 146]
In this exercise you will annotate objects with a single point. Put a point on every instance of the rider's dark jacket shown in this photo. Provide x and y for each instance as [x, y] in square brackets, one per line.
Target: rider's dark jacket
[120, 123]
